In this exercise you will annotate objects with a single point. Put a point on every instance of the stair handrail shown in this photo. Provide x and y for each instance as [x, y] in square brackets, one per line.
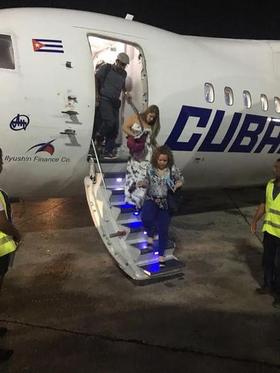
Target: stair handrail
[99, 169]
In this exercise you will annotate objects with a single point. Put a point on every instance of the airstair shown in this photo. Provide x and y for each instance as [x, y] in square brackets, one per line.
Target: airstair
[120, 225]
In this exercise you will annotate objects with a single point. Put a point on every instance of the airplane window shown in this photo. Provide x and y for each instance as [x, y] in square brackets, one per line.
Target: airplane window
[209, 92]
[247, 99]
[228, 96]
[6, 52]
[264, 102]
[277, 104]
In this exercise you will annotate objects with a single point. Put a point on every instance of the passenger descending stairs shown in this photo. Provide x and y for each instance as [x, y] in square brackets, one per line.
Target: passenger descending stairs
[120, 226]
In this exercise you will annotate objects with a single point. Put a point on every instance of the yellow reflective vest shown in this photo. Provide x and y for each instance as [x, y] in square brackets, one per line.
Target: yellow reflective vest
[271, 222]
[7, 244]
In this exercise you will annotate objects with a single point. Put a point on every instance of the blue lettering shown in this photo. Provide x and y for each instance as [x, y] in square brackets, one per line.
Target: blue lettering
[268, 139]
[252, 130]
[245, 132]
[185, 113]
[208, 145]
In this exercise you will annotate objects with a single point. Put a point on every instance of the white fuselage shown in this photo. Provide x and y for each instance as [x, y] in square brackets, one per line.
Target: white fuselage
[47, 100]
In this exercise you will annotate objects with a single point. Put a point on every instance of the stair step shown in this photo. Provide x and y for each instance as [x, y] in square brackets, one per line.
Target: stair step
[135, 226]
[126, 208]
[115, 182]
[172, 266]
[140, 244]
[117, 199]
[116, 189]
[136, 237]
[117, 161]
[114, 174]
[119, 190]
[128, 218]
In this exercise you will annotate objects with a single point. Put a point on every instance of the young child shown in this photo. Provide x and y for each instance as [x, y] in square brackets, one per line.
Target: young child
[162, 175]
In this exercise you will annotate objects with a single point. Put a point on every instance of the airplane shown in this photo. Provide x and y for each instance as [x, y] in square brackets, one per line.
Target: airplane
[219, 105]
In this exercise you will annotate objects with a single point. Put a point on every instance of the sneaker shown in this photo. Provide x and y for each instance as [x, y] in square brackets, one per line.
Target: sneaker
[263, 290]
[3, 331]
[5, 354]
[110, 156]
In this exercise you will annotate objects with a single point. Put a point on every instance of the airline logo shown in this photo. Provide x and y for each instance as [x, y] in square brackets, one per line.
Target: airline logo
[237, 134]
[19, 122]
[44, 147]
[47, 45]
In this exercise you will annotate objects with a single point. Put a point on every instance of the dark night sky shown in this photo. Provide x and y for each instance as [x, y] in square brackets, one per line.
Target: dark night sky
[250, 19]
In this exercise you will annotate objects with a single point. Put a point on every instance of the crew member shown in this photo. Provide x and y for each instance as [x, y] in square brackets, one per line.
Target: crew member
[9, 237]
[271, 236]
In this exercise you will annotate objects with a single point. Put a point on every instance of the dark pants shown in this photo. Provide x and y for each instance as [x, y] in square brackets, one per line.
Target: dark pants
[271, 261]
[4, 264]
[155, 218]
[110, 123]
[97, 123]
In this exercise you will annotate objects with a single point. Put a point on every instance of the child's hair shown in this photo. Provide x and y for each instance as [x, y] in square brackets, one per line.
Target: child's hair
[164, 149]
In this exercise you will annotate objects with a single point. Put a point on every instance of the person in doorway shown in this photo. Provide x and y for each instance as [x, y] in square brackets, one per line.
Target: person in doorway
[110, 82]
[162, 175]
[145, 128]
[9, 237]
[270, 208]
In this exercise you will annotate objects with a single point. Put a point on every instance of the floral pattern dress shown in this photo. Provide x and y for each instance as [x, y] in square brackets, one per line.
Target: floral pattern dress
[159, 185]
[137, 169]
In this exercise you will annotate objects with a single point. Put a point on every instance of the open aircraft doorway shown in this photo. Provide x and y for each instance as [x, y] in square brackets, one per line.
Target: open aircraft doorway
[105, 51]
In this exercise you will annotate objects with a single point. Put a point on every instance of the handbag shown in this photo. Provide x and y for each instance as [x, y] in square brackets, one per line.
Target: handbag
[136, 145]
[173, 202]
[174, 199]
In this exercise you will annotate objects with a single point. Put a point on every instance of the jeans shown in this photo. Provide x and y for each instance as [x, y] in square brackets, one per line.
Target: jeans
[110, 123]
[153, 218]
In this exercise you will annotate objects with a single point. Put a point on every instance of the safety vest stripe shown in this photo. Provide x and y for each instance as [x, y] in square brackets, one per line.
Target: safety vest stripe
[5, 239]
[272, 224]
[273, 211]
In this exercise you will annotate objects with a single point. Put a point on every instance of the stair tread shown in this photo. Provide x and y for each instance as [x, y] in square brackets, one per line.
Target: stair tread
[171, 266]
[128, 218]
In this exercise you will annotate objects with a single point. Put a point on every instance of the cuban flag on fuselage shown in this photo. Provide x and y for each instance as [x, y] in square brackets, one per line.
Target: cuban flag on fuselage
[47, 45]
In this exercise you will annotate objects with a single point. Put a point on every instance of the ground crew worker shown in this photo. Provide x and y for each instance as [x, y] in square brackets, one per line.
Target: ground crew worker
[271, 237]
[9, 237]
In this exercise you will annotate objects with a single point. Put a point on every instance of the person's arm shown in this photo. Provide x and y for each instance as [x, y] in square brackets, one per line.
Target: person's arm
[97, 91]
[258, 215]
[8, 228]
[179, 179]
[99, 79]
[145, 182]
[128, 124]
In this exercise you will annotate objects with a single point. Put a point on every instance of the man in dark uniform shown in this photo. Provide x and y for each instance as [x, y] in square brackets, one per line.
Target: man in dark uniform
[9, 235]
[110, 82]
[270, 207]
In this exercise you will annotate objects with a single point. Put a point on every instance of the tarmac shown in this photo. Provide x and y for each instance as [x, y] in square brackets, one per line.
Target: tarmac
[69, 308]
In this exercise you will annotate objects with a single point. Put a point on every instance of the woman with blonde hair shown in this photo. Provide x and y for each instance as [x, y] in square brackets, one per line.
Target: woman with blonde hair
[141, 130]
